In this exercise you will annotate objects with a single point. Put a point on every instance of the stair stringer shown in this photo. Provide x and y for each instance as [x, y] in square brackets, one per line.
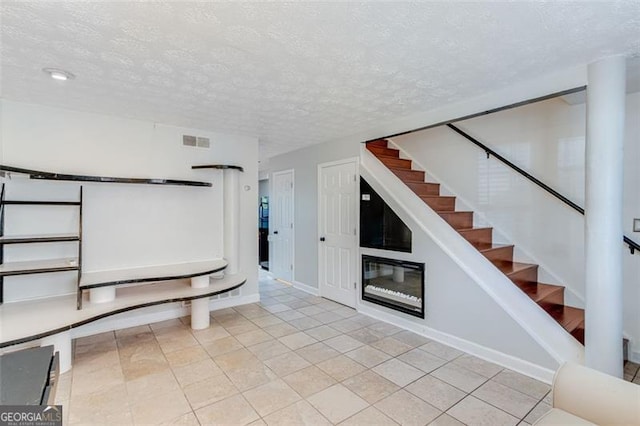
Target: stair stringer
[539, 325]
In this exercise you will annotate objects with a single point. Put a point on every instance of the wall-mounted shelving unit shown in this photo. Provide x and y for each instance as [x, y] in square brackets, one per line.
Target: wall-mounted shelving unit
[36, 174]
[38, 266]
[218, 166]
[111, 292]
[91, 280]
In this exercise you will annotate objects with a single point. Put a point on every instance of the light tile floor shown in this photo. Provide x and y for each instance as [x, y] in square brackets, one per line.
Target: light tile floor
[292, 359]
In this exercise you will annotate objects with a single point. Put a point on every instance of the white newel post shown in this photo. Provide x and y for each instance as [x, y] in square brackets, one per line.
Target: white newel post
[603, 214]
[200, 307]
[231, 219]
[62, 344]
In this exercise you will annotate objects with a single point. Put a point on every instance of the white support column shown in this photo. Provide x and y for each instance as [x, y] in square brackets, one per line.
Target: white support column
[62, 344]
[603, 214]
[200, 307]
[231, 220]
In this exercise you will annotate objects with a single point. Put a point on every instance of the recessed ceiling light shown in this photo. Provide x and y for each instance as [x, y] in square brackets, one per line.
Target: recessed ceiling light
[58, 74]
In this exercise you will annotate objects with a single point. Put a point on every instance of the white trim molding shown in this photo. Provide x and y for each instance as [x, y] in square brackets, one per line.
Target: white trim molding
[306, 288]
[155, 314]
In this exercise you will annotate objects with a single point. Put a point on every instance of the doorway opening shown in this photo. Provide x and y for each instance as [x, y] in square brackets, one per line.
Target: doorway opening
[263, 224]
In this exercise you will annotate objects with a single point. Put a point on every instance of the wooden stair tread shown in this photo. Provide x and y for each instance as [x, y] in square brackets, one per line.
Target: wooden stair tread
[568, 317]
[424, 188]
[480, 228]
[407, 175]
[540, 291]
[445, 197]
[402, 169]
[457, 220]
[510, 268]
[380, 150]
[484, 247]
[398, 163]
[389, 157]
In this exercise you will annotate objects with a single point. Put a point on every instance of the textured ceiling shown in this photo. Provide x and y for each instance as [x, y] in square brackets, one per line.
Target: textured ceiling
[294, 74]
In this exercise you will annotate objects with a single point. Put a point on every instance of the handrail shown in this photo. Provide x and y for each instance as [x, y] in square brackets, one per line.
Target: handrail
[533, 179]
[633, 246]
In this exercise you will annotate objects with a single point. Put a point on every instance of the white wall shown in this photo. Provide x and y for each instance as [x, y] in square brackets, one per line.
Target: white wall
[124, 225]
[305, 163]
[546, 139]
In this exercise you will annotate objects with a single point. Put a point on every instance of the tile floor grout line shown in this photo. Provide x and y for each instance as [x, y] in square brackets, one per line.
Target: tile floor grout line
[350, 324]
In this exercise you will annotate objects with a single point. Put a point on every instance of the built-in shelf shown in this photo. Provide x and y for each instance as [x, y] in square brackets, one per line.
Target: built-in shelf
[42, 266]
[36, 174]
[19, 324]
[39, 203]
[218, 166]
[151, 273]
[147, 274]
[38, 266]
[27, 239]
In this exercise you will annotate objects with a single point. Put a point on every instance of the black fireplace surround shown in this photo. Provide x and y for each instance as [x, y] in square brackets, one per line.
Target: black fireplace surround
[395, 284]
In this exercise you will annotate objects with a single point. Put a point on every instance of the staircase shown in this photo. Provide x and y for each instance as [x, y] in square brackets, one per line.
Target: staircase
[524, 275]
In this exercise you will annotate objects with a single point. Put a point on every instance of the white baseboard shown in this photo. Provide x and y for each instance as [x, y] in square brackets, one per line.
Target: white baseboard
[135, 318]
[306, 288]
[230, 302]
[516, 364]
[155, 314]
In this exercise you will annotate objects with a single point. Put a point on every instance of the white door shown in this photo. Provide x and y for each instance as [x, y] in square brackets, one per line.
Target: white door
[281, 225]
[337, 228]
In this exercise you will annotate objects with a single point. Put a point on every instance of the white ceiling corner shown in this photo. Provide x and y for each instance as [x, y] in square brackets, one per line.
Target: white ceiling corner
[294, 74]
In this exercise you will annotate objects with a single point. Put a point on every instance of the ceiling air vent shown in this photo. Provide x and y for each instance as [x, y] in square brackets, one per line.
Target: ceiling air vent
[188, 140]
[198, 141]
[202, 142]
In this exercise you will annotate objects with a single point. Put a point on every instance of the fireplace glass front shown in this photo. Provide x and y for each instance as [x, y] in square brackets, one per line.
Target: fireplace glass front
[396, 284]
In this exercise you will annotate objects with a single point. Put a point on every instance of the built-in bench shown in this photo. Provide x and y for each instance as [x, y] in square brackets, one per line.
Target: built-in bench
[35, 319]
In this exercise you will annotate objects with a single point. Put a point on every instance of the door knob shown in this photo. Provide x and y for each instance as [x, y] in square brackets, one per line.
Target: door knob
[321, 238]
[275, 232]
